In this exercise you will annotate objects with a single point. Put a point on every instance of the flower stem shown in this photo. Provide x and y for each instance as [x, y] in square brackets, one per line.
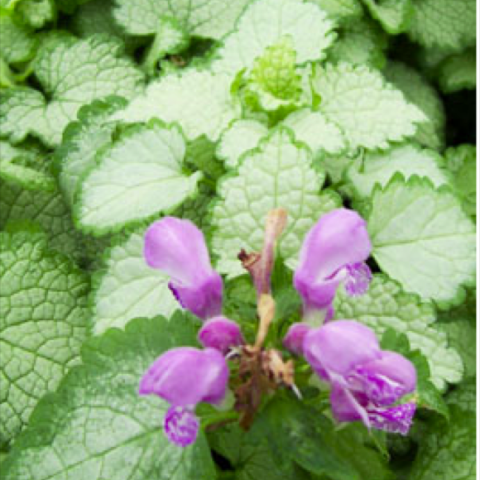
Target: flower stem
[219, 417]
[266, 312]
[154, 54]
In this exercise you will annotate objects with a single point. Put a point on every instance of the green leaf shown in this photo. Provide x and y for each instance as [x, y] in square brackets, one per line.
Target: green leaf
[344, 11]
[309, 127]
[422, 238]
[393, 15]
[7, 78]
[126, 287]
[274, 82]
[36, 13]
[361, 42]
[306, 24]
[8, 5]
[210, 19]
[461, 335]
[336, 166]
[97, 17]
[429, 59]
[30, 153]
[251, 459]
[92, 250]
[71, 73]
[447, 24]
[240, 304]
[17, 43]
[140, 175]
[241, 136]
[447, 450]
[297, 432]
[48, 209]
[359, 101]
[461, 161]
[378, 168]
[276, 174]
[457, 157]
[196, 209]
[82, 139]
[288, 303]
[16, 167]
[458, 72]
[431, 132]
[464, 395]
[198, 100]
[467, 309]
[426, 394]
[171, 38]
[97, 426]
[357, 447]
[69, 6]
[201, 156]
[26, 177]
[385, 306]
[313, 128]
[42, 326]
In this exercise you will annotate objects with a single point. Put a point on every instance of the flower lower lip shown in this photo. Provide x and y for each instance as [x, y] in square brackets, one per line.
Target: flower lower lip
[181, 426]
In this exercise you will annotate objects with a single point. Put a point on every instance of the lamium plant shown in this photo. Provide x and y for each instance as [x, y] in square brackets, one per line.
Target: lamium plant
[366, 382]
[237, 239]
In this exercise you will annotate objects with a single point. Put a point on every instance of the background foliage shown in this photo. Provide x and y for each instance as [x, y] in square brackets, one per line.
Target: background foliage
[115, 112]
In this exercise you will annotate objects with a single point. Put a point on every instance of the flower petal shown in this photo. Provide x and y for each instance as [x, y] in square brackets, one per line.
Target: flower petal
[394, 420]
[358, 278]
[339, 239]
[387, 379]
[220, 333]
[186, 376]
[178, 248]
[316, 296]
[338, 347]
[295, 336]
[345, 407]
[203, 299]
[181, 426]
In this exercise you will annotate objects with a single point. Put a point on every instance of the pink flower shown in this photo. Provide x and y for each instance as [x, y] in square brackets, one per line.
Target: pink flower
[366, 381]
[177, 247]
[333, 252]
[184, 377]
[220, 333]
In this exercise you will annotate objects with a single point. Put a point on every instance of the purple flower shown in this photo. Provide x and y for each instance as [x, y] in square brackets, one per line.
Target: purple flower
[220, 333]
[184, 377]
[295, 336]
[293, 340]
[366, 381]
[177, 247]
[334, 251]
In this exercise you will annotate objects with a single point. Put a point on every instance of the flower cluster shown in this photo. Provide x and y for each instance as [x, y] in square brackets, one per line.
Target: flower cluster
[366, 382]
[186, 376]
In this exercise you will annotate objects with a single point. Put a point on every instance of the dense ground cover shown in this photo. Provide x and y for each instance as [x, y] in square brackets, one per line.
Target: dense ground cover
[117, 113]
